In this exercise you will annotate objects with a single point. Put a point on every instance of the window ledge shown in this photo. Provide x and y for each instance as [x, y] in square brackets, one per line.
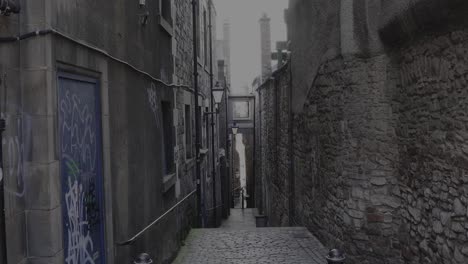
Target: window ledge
[169, 181]
[166, 25]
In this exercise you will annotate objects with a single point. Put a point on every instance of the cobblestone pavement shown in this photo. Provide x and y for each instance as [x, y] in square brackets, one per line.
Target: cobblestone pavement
[251, 245]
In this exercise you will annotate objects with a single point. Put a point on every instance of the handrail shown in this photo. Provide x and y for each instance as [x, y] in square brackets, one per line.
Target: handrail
[212, 208]
[238, 188]
[135, 237]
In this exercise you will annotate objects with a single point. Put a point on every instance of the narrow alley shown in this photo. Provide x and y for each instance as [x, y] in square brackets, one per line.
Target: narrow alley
[238, 241]
[233, 131]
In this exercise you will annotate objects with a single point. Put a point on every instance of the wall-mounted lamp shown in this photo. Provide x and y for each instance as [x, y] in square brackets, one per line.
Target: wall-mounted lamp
[218, 94]
[234, 128]
[9, 6]
[143, 17]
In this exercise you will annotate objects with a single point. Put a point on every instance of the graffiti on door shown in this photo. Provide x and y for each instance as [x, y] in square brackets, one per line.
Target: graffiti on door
[81, 170]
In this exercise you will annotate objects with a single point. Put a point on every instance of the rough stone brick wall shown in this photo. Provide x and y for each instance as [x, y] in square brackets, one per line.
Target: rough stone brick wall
[347, 154]
[184, 46]
[283, 180]
[265, 142]
[258, 153]
[379, 153]
[279, 196]
[433, 133]
[274, 147]
[379, 148]
[183, 33]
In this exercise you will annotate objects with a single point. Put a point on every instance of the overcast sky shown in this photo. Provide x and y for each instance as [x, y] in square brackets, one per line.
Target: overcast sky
[243, 16]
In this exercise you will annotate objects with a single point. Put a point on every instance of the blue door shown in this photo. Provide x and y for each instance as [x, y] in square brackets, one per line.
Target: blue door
[81, 169]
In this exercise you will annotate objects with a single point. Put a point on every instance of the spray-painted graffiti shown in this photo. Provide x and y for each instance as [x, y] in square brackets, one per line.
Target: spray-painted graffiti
[80, 243]
[81, 170]
[153, 102]
[15, 143]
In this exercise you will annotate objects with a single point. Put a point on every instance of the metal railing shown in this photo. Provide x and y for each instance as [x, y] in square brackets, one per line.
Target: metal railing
[135, 237]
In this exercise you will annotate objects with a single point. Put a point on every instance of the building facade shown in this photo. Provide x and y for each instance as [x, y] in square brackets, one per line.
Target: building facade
[363, 131]
[98, 100]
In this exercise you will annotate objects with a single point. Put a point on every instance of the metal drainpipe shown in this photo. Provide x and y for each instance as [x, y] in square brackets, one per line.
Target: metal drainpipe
[254, 203]
[197, 114]
[3, 248]
[213, 159]
[228, 153]
[260, 149]
[233, 145]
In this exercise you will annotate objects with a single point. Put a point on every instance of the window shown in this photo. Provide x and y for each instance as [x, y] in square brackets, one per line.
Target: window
[188, 132]
[166, 10]
[167, 116]
[205, 37]
[241, 110]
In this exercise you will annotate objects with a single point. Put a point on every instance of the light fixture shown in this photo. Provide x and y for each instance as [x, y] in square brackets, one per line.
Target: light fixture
[218, 93]
[234, 128]
[7, 7]
[145, 15]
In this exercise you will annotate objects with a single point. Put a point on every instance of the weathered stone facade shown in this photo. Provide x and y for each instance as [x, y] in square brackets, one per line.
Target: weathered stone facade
[378, 162]
[135, 68]
[274, 148]
[433, 161]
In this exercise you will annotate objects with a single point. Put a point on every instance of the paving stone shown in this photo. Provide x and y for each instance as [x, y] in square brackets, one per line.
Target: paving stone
[239, 241]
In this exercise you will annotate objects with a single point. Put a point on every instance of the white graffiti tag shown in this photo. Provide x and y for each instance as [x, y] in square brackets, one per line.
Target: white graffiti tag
[79, 150]
[78, 123]
[15, 147]
[80, 244]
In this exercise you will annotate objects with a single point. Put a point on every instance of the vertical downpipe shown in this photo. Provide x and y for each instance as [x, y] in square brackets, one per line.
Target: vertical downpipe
[197, 114]
[215, 218]
[3, 249]
[254, 193]
[228, 153]
[260, 150]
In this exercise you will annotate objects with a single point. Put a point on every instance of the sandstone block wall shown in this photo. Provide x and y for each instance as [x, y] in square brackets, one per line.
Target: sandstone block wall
[135, 188]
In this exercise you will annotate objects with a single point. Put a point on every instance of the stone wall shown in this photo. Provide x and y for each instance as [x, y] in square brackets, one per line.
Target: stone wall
[274, 147]
[136, 187]
[184, 72]
[378, 148]
[433, 132]
[347, 158]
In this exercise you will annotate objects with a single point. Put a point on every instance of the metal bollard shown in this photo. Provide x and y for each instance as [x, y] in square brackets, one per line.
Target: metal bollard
[335, 256]
[143, 258]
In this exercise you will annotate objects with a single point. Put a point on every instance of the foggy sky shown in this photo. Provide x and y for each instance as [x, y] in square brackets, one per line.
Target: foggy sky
[243, 16]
